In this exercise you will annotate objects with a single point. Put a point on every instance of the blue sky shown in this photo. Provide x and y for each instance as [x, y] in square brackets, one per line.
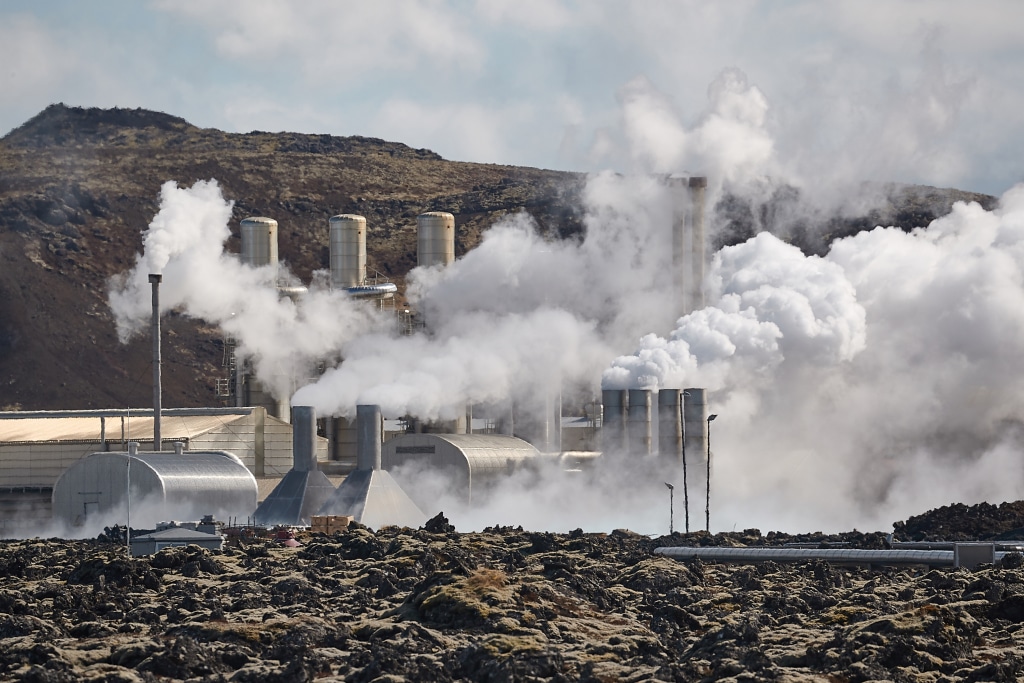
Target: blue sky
[915, 90]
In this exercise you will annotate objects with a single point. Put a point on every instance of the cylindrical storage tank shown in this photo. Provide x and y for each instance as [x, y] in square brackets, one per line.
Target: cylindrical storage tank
[695, 425]
[436, 238]
[670, 425]
[259, 241]
[348, 250]
[613, 433]
[639, 423]
[370, 428]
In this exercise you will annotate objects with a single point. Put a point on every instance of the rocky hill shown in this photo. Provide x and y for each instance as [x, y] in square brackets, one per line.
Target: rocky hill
[78, 188]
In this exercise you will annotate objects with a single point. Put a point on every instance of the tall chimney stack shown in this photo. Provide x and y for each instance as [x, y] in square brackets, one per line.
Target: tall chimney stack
[369, 437]
[155, 280]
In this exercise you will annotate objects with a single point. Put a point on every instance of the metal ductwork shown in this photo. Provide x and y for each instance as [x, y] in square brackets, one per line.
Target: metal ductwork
[638, 424]
[967, 555]
[370, 494]
[305, 488]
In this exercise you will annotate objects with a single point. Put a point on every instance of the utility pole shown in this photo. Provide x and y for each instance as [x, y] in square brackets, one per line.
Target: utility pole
[707, 505]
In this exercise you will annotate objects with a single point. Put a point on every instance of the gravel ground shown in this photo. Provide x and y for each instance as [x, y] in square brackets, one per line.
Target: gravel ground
[506, 605]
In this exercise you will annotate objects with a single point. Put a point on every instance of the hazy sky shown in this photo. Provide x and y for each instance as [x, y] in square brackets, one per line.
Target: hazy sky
[939, 83]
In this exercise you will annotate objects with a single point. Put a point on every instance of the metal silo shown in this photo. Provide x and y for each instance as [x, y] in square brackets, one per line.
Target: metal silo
[259, 241]
[436, 238]
[348, 250]
[638, 423]
[695, 425]
[613, 431]
[670, 425]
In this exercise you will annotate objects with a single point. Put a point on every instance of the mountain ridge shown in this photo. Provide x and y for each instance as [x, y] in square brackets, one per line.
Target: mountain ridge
[79, 186]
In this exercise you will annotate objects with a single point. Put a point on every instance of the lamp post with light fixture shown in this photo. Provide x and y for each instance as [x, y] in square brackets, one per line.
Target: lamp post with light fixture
[707, 504]
[671, 512]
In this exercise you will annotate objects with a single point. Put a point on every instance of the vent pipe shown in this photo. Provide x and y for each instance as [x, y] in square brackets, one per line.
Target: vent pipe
[303, 438]
[698, 254]
[639, 422]
[155, 280]
[435, 239]
[613, 433]
[348, 250]
[688, 248]
[369, 435]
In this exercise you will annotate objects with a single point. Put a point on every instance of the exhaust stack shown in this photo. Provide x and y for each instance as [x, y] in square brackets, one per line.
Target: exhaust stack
[305, 488]
[688, 248]
[370, 494]
[155, 280]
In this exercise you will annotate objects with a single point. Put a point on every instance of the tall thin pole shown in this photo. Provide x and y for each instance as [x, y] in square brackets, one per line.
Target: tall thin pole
[686, 487]
[672, 513]
[707, 506]
[155, 279]
[128, 525]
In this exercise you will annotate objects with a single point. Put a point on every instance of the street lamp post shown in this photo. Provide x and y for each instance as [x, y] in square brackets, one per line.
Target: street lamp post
[686, 486]
[671, 512]
[707, 504]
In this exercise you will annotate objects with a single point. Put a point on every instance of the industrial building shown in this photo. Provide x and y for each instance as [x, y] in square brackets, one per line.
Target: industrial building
[107, 488]
[289, 464]
[37, 447]
[369, 494]
[469, 461]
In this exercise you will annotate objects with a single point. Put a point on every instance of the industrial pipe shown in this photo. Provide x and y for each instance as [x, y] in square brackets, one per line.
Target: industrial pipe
[154, 280]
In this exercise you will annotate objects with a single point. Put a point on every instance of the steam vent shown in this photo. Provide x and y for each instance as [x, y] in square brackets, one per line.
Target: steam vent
[370, 494]
[305, 488]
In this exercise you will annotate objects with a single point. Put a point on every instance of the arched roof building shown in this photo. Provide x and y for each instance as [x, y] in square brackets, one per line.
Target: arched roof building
[472, 461]
[164, 486]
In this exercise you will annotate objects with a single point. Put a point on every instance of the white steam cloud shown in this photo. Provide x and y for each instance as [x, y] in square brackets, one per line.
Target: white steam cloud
[185, 243]
[853, 389]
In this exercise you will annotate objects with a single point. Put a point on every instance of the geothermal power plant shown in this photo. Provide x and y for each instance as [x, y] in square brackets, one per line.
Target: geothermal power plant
[259, 459]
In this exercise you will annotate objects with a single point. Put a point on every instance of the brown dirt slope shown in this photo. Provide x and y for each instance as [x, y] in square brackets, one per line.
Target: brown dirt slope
[78, 188]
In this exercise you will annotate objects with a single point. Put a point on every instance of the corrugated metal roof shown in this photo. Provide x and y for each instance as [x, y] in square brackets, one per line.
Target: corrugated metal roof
[486, 445]
[175, 427]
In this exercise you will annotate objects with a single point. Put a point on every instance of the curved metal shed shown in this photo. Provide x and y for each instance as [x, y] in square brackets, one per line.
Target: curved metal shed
[471, 460]
[163, 486]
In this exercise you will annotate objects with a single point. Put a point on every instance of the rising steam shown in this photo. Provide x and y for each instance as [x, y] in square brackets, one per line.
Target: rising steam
[853, 389]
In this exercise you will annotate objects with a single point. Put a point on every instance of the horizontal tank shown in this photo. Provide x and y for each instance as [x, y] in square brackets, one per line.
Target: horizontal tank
[259, 241]
[436, 239]
[163, 486]
[348, 250]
